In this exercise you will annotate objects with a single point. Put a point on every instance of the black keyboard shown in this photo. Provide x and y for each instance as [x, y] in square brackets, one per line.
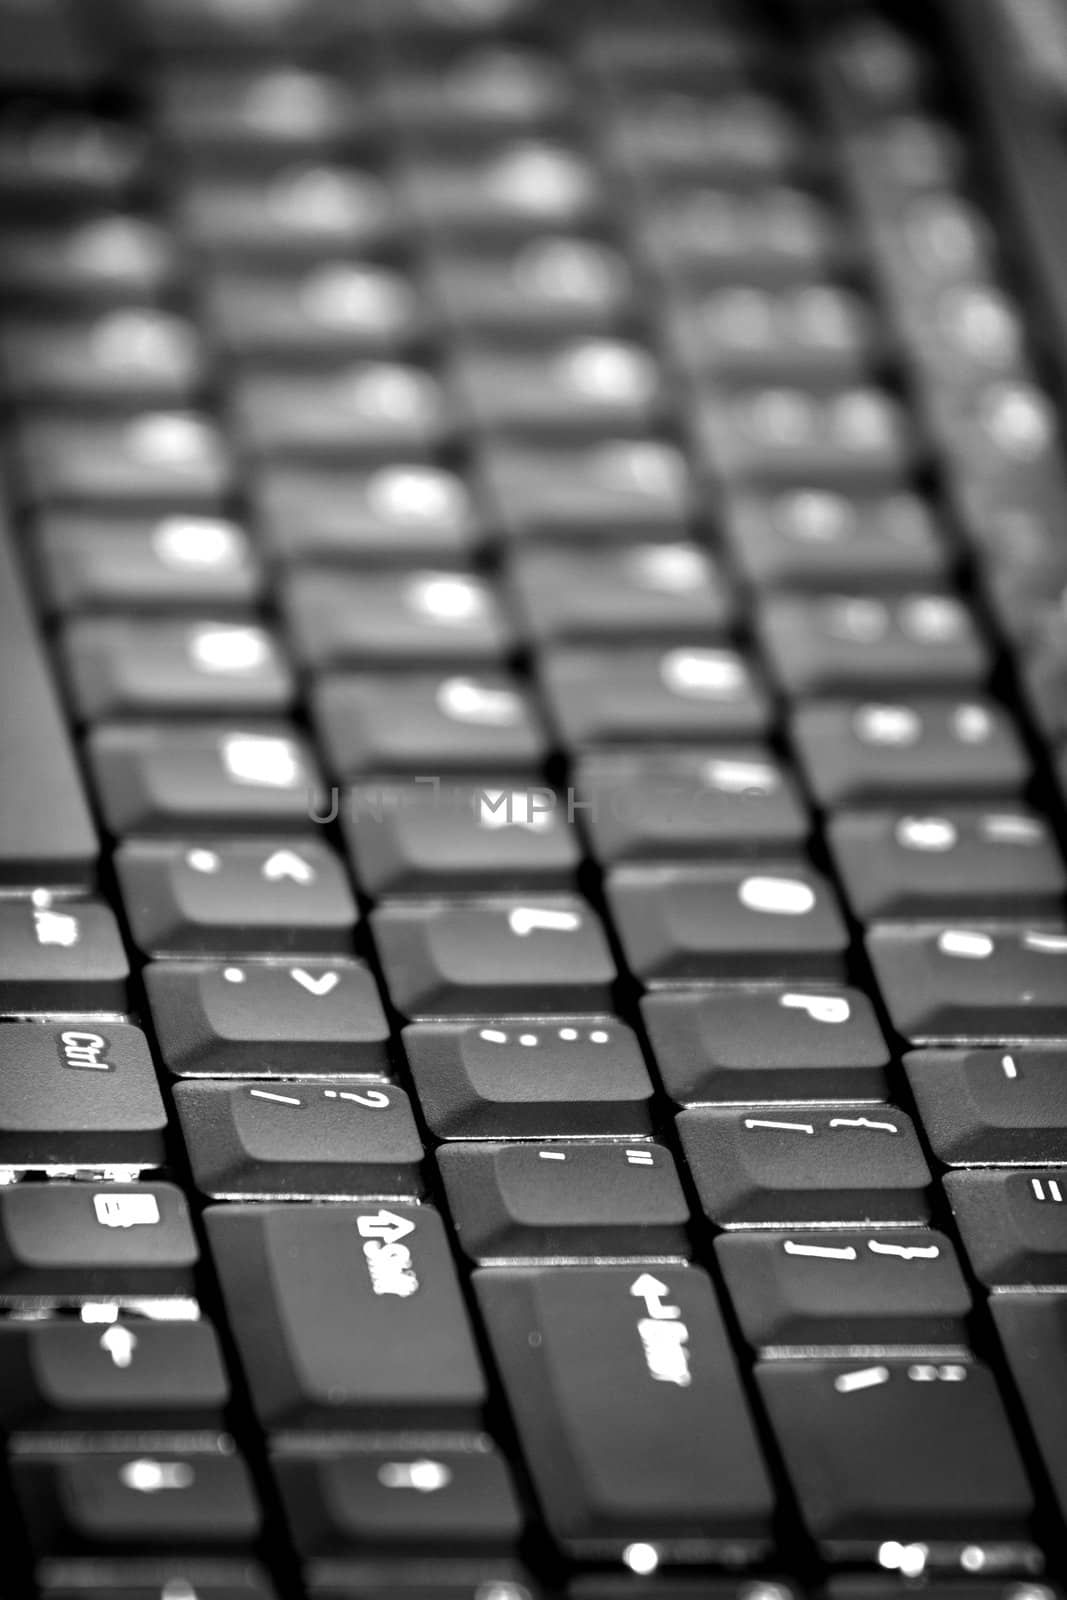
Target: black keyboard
[533, 710]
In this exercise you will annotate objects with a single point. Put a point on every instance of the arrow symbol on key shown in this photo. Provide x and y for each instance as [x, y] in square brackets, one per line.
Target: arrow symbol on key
[287, 864]
[119, 1344]
[384, 1225]
[652, 1291]
[319, 986]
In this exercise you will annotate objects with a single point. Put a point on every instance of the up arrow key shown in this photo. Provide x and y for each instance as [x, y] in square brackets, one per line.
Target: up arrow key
[384, 1225]
[652, 1291]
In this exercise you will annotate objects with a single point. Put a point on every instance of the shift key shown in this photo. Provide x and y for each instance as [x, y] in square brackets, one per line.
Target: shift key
[347, 1315]
[630, 1410]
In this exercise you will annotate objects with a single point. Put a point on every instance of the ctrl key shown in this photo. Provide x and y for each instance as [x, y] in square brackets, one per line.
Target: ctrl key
[629, 1409]
[83, 1502]
[897, 1454]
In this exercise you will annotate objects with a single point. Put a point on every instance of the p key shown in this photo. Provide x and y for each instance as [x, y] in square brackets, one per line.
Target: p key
[630, 1409]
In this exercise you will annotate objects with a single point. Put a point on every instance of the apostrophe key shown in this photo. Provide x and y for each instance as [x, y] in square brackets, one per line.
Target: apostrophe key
[946, 1470]
[983, 1107]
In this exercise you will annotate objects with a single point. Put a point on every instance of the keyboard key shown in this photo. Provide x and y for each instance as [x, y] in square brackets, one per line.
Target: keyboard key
[497, 86]
[841, 1289]
[125, 1374]
[565, 390]
[409, 619]
[807, 332]
[666, 135]
[853, 437]
[235, 896]
[883, 752]
[946, 984]
[87, 1241]
[549, 284]
[603, 491]
[78, 1093]
[721, 232]
[331, 309]
[1033, 1332]
[271, 112]
[946, 1469]
[629, 1408]
[780, 1166]
[952, 863]
[765, 1042]
[67, 157]
[463, 1500]
[364, 408]
[639, 593]
[102, 1501]
[416, 839]
[989, 1107]
[347, 1315]
[62, 956]
[650, 805]
[149, 459]
[515, 185]
[395, 513]
[46, 830]
[826, 539]
[564, 1200]
[333, 1139]
[106, 257]
[204, 778]
[91, 563]
[679, 923]
[647, 696]
[529, 1078]
[297, 211]
[267, 1019]
[1014, 1225]
[427, 725]
[127, 668]
[860, 644]
[134, 356]
[491, 957]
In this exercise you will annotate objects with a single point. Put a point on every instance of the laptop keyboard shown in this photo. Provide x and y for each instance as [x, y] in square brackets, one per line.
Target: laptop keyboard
[534, 931]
